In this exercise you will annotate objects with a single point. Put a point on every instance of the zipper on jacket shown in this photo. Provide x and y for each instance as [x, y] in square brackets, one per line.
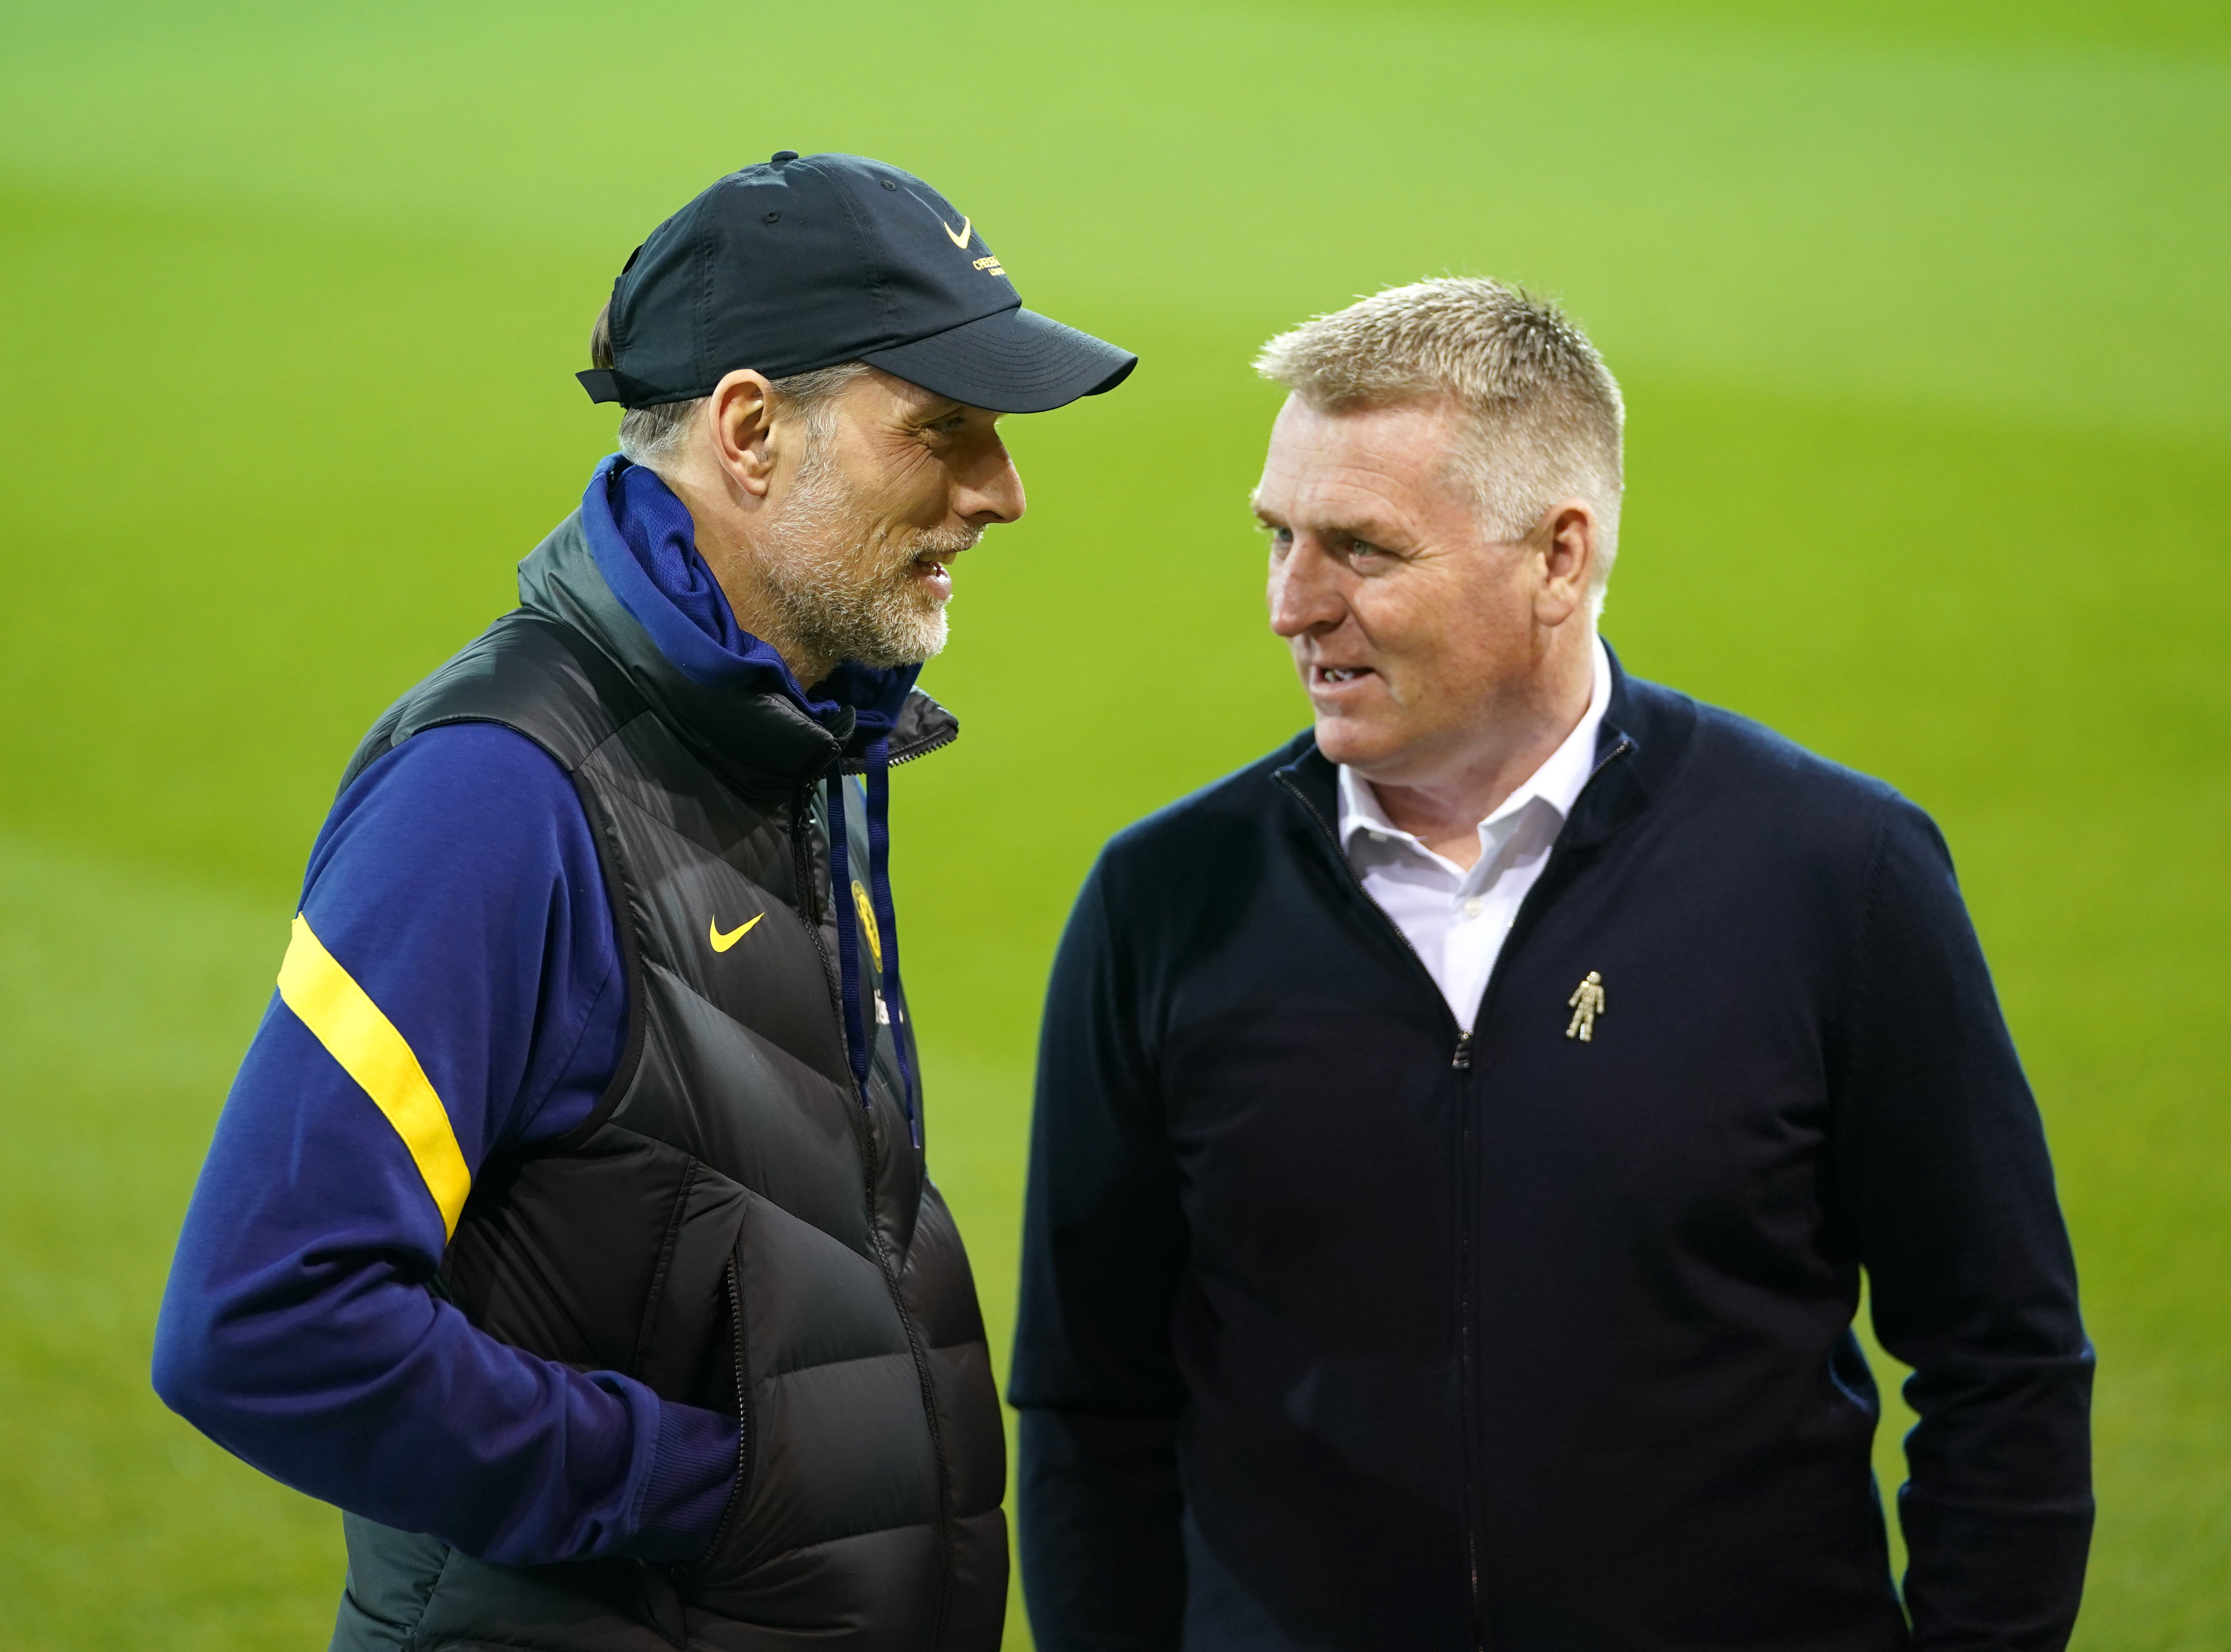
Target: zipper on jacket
[801, 860]
[863, 1132]
[1460, 1060]
[743, 1376]
[805, 805]
[1467, 1361]
[743, 1422]
[863, 1136]
[923, 750]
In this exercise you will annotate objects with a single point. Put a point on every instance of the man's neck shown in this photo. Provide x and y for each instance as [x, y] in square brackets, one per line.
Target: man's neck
[725, 543]
[1443, 808]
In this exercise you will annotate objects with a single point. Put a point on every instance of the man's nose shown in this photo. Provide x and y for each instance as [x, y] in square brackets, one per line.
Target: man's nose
[1303, 596]
[993, 493]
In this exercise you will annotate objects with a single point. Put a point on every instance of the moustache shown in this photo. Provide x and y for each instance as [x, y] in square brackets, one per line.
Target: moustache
[943, 542]
[930, 544]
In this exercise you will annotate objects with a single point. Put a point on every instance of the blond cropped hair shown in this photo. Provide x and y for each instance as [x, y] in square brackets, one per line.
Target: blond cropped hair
[1544, 412]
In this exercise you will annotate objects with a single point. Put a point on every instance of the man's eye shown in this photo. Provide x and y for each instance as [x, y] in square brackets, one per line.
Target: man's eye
[1360, 548]
[1282, 540]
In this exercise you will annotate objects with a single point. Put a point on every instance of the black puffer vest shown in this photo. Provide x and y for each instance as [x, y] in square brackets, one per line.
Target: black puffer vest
[732, 1226]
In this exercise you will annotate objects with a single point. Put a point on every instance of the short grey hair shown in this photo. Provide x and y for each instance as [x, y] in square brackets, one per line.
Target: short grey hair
[653, 435]
[1544, 411]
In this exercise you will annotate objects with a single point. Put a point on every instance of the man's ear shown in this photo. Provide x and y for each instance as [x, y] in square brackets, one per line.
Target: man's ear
[1567, 542]
[740, 413]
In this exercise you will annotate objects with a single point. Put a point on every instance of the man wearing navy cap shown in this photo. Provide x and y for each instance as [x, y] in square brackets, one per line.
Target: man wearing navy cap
[567, 1224]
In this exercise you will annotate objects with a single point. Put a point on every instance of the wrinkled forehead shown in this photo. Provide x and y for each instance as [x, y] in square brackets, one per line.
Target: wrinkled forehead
[1326, 466]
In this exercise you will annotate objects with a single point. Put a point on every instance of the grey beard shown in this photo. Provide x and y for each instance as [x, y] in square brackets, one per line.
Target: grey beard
[847, 593]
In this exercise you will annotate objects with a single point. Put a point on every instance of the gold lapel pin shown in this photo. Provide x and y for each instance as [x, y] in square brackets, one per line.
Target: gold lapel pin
[1588, 1002]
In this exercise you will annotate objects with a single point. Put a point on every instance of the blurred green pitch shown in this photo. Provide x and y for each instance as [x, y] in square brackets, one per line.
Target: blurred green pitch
[1919, 315]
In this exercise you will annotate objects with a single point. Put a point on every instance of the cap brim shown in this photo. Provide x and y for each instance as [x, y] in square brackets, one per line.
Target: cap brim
[1014, 361]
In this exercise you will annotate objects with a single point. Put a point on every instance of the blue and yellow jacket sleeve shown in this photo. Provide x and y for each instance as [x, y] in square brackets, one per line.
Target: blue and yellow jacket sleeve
[452, 988]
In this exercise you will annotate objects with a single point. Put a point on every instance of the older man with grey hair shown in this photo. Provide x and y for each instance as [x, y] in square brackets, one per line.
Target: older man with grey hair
[569, 1224]
[1462, 1135]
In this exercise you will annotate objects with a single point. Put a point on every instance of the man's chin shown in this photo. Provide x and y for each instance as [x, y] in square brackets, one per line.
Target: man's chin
[916, 643]
[932, 632]
[1356, 742]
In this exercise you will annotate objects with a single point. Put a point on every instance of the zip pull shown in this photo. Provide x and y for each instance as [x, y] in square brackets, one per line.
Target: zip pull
[1462, 1059]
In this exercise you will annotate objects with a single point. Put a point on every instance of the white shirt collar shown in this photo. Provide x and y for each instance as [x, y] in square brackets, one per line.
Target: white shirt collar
[1557, 782]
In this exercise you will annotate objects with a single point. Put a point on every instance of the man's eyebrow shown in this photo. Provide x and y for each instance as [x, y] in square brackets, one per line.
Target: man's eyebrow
[929, 412]
[1386, 532]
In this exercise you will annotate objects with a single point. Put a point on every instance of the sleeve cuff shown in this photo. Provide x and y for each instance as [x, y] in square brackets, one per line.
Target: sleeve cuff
[693, 1471]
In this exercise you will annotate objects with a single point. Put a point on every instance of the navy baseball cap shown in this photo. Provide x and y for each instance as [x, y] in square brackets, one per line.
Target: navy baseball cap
[810, 260]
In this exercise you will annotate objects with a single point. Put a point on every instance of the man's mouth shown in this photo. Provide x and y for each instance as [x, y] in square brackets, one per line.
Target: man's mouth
[1333, 676]
[931, 569]
[932, 565]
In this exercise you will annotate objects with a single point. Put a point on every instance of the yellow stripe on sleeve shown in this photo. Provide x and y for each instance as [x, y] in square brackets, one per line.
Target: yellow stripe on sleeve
[352, 1029]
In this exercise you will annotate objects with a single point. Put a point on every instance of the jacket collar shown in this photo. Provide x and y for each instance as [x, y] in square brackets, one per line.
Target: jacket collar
[1645, 733]
[731, 699]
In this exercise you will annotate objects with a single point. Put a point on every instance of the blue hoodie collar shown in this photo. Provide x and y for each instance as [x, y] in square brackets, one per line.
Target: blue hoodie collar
[646, 546]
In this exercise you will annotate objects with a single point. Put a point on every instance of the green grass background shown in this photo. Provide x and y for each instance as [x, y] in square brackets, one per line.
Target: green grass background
[1920, 311]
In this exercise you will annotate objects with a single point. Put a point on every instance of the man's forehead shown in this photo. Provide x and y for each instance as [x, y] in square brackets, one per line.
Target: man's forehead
[1333, 466]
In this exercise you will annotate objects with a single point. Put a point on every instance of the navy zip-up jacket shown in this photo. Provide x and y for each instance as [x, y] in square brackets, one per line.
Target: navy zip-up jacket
[1343, 1329]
